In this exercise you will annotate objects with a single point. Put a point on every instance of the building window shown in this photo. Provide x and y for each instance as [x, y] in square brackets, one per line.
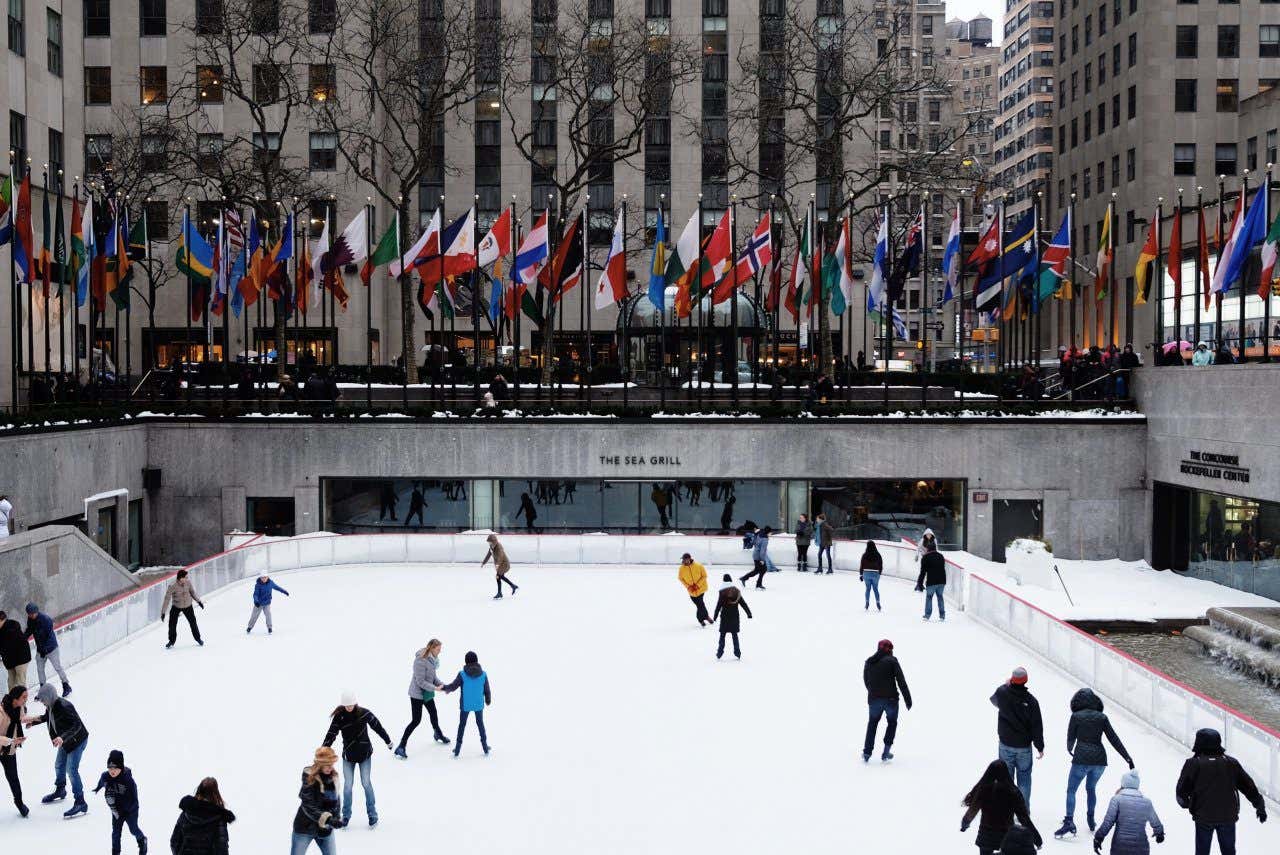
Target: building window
[1088, 181]
[1224, 159]
[155, 155]
[208, 17]
[57, 157]
[1133, 102]
[153, 17]
[17, 27]
[1115, 111]
[97, 153]
[322, 82]
[1187, 41]
[1271, 146]
[1184, 158]
[1133, 49]
[1228, 41]
[157, 218]
[209, 153]
[154, 84]
[18, 136]
[266, 84]
[1251, 153]
[1269, 41]
[266, 147]
[209, 84]
[322, 15]
[53, 30]
[324, 152]
[1115, 170]
[264, 16]
[97, 18]
[1184, 95]
[1115, 60]
[1130, 164]
[1228, 95]
[97, 84]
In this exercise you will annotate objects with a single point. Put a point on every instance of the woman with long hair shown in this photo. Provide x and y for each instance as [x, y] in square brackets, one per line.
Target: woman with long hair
[317, 814]
[202, 826]
[422, 693]
[11, 739]
[353, 722]
[727, 606]
[869, 570]
[999, 802]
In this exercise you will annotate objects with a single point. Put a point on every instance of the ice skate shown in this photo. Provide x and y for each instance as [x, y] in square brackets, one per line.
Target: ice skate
[1068, 827]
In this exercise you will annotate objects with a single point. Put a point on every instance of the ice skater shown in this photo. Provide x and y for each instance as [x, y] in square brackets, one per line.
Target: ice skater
[694, 578]
[181, 594]
[15, 652]
[927, 540]
[422, 693]
[262, 590]
[476, 695]
[824, 536]
[727, 605]
[12, 737]
[501, 565]
[882, 675]
[201, 828]
[318, 805]
[1088, 725]
[869, 570]
[1209, 787]
[353, 722]
[933, 581]
[70, 737]
[804, 534]
[121, 794]
[1129, 813]
[1019, 727]
[40, 627]
[760, 556]
[999, 802]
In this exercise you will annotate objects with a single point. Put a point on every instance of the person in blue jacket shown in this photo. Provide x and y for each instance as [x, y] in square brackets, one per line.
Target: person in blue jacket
[262, 601]
[474, 683]
[40, 627]
[122, 798]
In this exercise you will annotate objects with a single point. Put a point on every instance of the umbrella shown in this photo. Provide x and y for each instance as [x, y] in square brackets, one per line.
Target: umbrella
[1181, 345]
[438, 348]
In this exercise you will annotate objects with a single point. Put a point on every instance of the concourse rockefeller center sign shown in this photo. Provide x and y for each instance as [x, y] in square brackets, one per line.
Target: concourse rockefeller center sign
[1223, 467]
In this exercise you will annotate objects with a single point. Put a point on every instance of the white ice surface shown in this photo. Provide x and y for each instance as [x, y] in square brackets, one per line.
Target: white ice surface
[613, 727]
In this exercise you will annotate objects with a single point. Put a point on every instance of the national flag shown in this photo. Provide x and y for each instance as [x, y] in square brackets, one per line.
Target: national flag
[249, 284]
[1204, 259]
[274, 268]
[305, 285]
[755, 255]
[437, 266]
[6, 210]
[802, 272]
[116, 280]
[1053, 261]
[45, 265]
[775, 286]
[62, 273]
[533, 252]
[716, 259]
[495, 292]
[1024, 259]
[1146, 256]
[387, 250]
[842, 296]
[612, 286]
[795, 285]
[23, 240]
[658, 266]
[566, 267]
[459, 245]
[82, 246]
[1224, 244]
[221, 266]
[908, 263]
[1174, 263]
[876, 288]
[682, 265]
[1106, 253]
[497, 243]
[427, 244]
[1269, 252]
[1251, 232]
[350, 247]
[951, 259]
[988, 249]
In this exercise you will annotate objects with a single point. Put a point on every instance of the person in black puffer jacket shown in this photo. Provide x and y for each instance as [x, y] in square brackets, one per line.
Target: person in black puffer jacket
[882, 675]
[354, 721]
[1209, 787]
[999, 802]
[201, 828]
[1088, 757]
[317, 812]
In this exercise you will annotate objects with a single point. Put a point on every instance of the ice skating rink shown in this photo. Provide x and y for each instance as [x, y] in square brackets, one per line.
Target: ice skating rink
[614, 729]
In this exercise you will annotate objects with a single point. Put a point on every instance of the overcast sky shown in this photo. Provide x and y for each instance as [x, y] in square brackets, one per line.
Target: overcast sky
[993, 9]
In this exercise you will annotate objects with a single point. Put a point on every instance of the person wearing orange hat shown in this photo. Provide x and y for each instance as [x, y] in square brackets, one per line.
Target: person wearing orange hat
[1019, 726]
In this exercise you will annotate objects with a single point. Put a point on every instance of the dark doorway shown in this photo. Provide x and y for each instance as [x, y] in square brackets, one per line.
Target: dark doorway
[270, 516]
[1015, 518]
[1171, 528]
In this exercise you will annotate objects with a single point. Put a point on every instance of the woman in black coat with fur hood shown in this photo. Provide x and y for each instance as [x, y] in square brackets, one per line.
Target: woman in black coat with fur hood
[202, 826]
[727, 611]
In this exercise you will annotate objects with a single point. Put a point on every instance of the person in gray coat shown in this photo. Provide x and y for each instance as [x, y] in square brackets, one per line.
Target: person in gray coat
[422, 693]
[1129, 813]
[760, 556]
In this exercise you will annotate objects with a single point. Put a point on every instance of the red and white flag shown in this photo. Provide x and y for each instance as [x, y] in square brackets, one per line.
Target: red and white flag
[612, 286]
[497, 243]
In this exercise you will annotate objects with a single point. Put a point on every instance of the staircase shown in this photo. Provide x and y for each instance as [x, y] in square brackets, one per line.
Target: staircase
[1246, 638]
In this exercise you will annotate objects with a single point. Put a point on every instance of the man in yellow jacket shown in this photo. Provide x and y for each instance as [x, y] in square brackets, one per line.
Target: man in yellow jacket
[694, 578]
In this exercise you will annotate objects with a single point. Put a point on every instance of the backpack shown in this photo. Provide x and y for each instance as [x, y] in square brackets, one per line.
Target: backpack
[748, 539]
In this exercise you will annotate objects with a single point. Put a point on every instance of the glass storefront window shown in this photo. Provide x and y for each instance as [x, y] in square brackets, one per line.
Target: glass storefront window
[1231, 540]
[888, 510]
[365, 505]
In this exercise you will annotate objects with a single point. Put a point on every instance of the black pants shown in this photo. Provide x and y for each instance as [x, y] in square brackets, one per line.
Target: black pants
[190, 612]
[10, 764]
[462, 726]
[502, 579]
[1226, 838]
[737, 651]
[758, 573]
[415, 718]
[802, 557]
[414, 512]
[701, 607]
[117, 825]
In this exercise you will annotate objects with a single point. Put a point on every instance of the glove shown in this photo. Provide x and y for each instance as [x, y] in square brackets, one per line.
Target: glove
[201, 605]
[325, 819]
[964, 826]
[860, 576]
[337, 823]
[1097, 845]
[1160, 837]
[919, 587]
[1262, 814]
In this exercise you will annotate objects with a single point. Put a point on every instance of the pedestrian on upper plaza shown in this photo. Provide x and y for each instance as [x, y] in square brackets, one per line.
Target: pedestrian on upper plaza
[933, 581]
[527, 510]
[1130, 812]
[353, 722]
[387, 501]
[1129, 360]
[6, 516]
[181, 594]
[804, 535]
[760, 557]
[475, 696]
[318, 805]
[422, 693]
[121, 794]
[12, 737]
[826, 389]
[201, 828]
[999, 802]
[869, 570]
[417, 504]
[1019, 727]
[824, 536]
[262, 590]
[40, 627]
[694, 578]
[1088, 725]
[498, 388]
[882, 675]
[69, 735]
[730, 599]
[1202, 355]
[1209, 788]
[501, 565]
[15, 652]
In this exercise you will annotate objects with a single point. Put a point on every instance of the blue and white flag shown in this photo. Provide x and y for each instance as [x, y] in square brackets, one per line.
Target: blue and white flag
[875, 290]
[951, 259]
[1250, 233]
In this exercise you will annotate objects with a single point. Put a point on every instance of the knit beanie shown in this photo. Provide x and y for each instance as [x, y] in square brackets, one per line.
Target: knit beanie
[1130, 780]
[115, 759]
[348, 698]
[471, 658]
[726, 578]
[885, 646]
[1019, 677]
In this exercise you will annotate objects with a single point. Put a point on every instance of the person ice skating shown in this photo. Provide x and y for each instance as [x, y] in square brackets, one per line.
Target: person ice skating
[1019, 840]
[869, 570]
[999, 802]
[501, 565]
[262, 590]
[121, 794]
[1088, 725]
[353, 722]
[694, 578]
[726, 515]
[727, 604]
[1210, 786]
[476, 695]
[824, 536]
[933, 581]
[927, 540]
[804, 535]
[528, 511]
[69, 737]
[422, 693]
[760, 557]
[417, 504]
[1019, 727]
[180, 595]
[882, 675]
[12, 736]
[317, 814]
[40, 627]
[1129, 813]
[15, 652]
[201, 828]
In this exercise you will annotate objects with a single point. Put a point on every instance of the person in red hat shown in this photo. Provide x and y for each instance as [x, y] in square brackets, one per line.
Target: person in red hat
[883, 678]
[1019, 727]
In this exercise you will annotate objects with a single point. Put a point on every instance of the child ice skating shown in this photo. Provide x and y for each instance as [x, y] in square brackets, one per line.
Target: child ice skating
[180, 595]
[727, 605]
[999, 802]
[69, 735]
[201, 828]
[1088, 725]
[121, 794]
[353, 722]
[694, 578]
[262, 590]
[1129, 813]
[422, 693]
[318, 806]
[474, 683]
[501, 565]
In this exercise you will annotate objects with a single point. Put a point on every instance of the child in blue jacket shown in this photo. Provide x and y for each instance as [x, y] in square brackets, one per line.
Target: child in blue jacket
[474, 683]
[122, 799]
[262, 601]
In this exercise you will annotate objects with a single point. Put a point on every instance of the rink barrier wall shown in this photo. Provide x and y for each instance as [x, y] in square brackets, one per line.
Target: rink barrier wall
[1173, 708]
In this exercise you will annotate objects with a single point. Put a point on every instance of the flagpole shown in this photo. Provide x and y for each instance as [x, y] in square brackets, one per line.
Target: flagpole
[128, 308]
[13, 283]
[1158, 320]
[885, 309]
[1244, 210]
[733, 307]
[62, 281]
[31, 301]
[475, 305]
[695, 285]
[626, 316]
[1177, 296]
[1266, 294]
[1219, 240]
[924, 299]
[1200, 249]
[46, 274]
[585, 286]
[1037, 344]
[777, 295]
[516, 297]
[959, 314]
[368, 306]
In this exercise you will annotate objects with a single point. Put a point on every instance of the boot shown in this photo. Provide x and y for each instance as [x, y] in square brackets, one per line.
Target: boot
[441, 738]
[1089, 819]
[887, 755]
[142, 846]
[23, 810]
[78, 808]
[400, 752]
[66, 689]
[56, 796]
[1068, 827]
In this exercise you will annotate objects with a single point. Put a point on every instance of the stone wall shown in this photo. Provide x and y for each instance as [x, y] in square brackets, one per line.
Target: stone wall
[59, 568]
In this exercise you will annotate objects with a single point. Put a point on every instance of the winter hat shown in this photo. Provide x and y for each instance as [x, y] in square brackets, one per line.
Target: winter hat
[33, 609]
[885, 646]
[1130, 780]
[325, 756]
[115, 760]
[348, 698]
[686, 555]
[1019, 677]
[471, 659]
[726, 578]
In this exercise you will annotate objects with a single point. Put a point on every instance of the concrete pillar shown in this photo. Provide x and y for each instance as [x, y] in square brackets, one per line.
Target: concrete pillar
[235, 509]
[306, 509]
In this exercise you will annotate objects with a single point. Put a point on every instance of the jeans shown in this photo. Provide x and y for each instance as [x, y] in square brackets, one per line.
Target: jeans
[55, 659]
[10, 764]
[67, 763]
[931, 591]
[366, 783]
[302, 842]
[190, 613]
[1090, 775]
[876, 707]
[117, 825]
[737, 651]
[872, 583]
[701, 608]
[415, 717]
[1226, 838]
[1019, 762]
[758, 573]
[462, 726]
[260, 610]
[825, 549]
